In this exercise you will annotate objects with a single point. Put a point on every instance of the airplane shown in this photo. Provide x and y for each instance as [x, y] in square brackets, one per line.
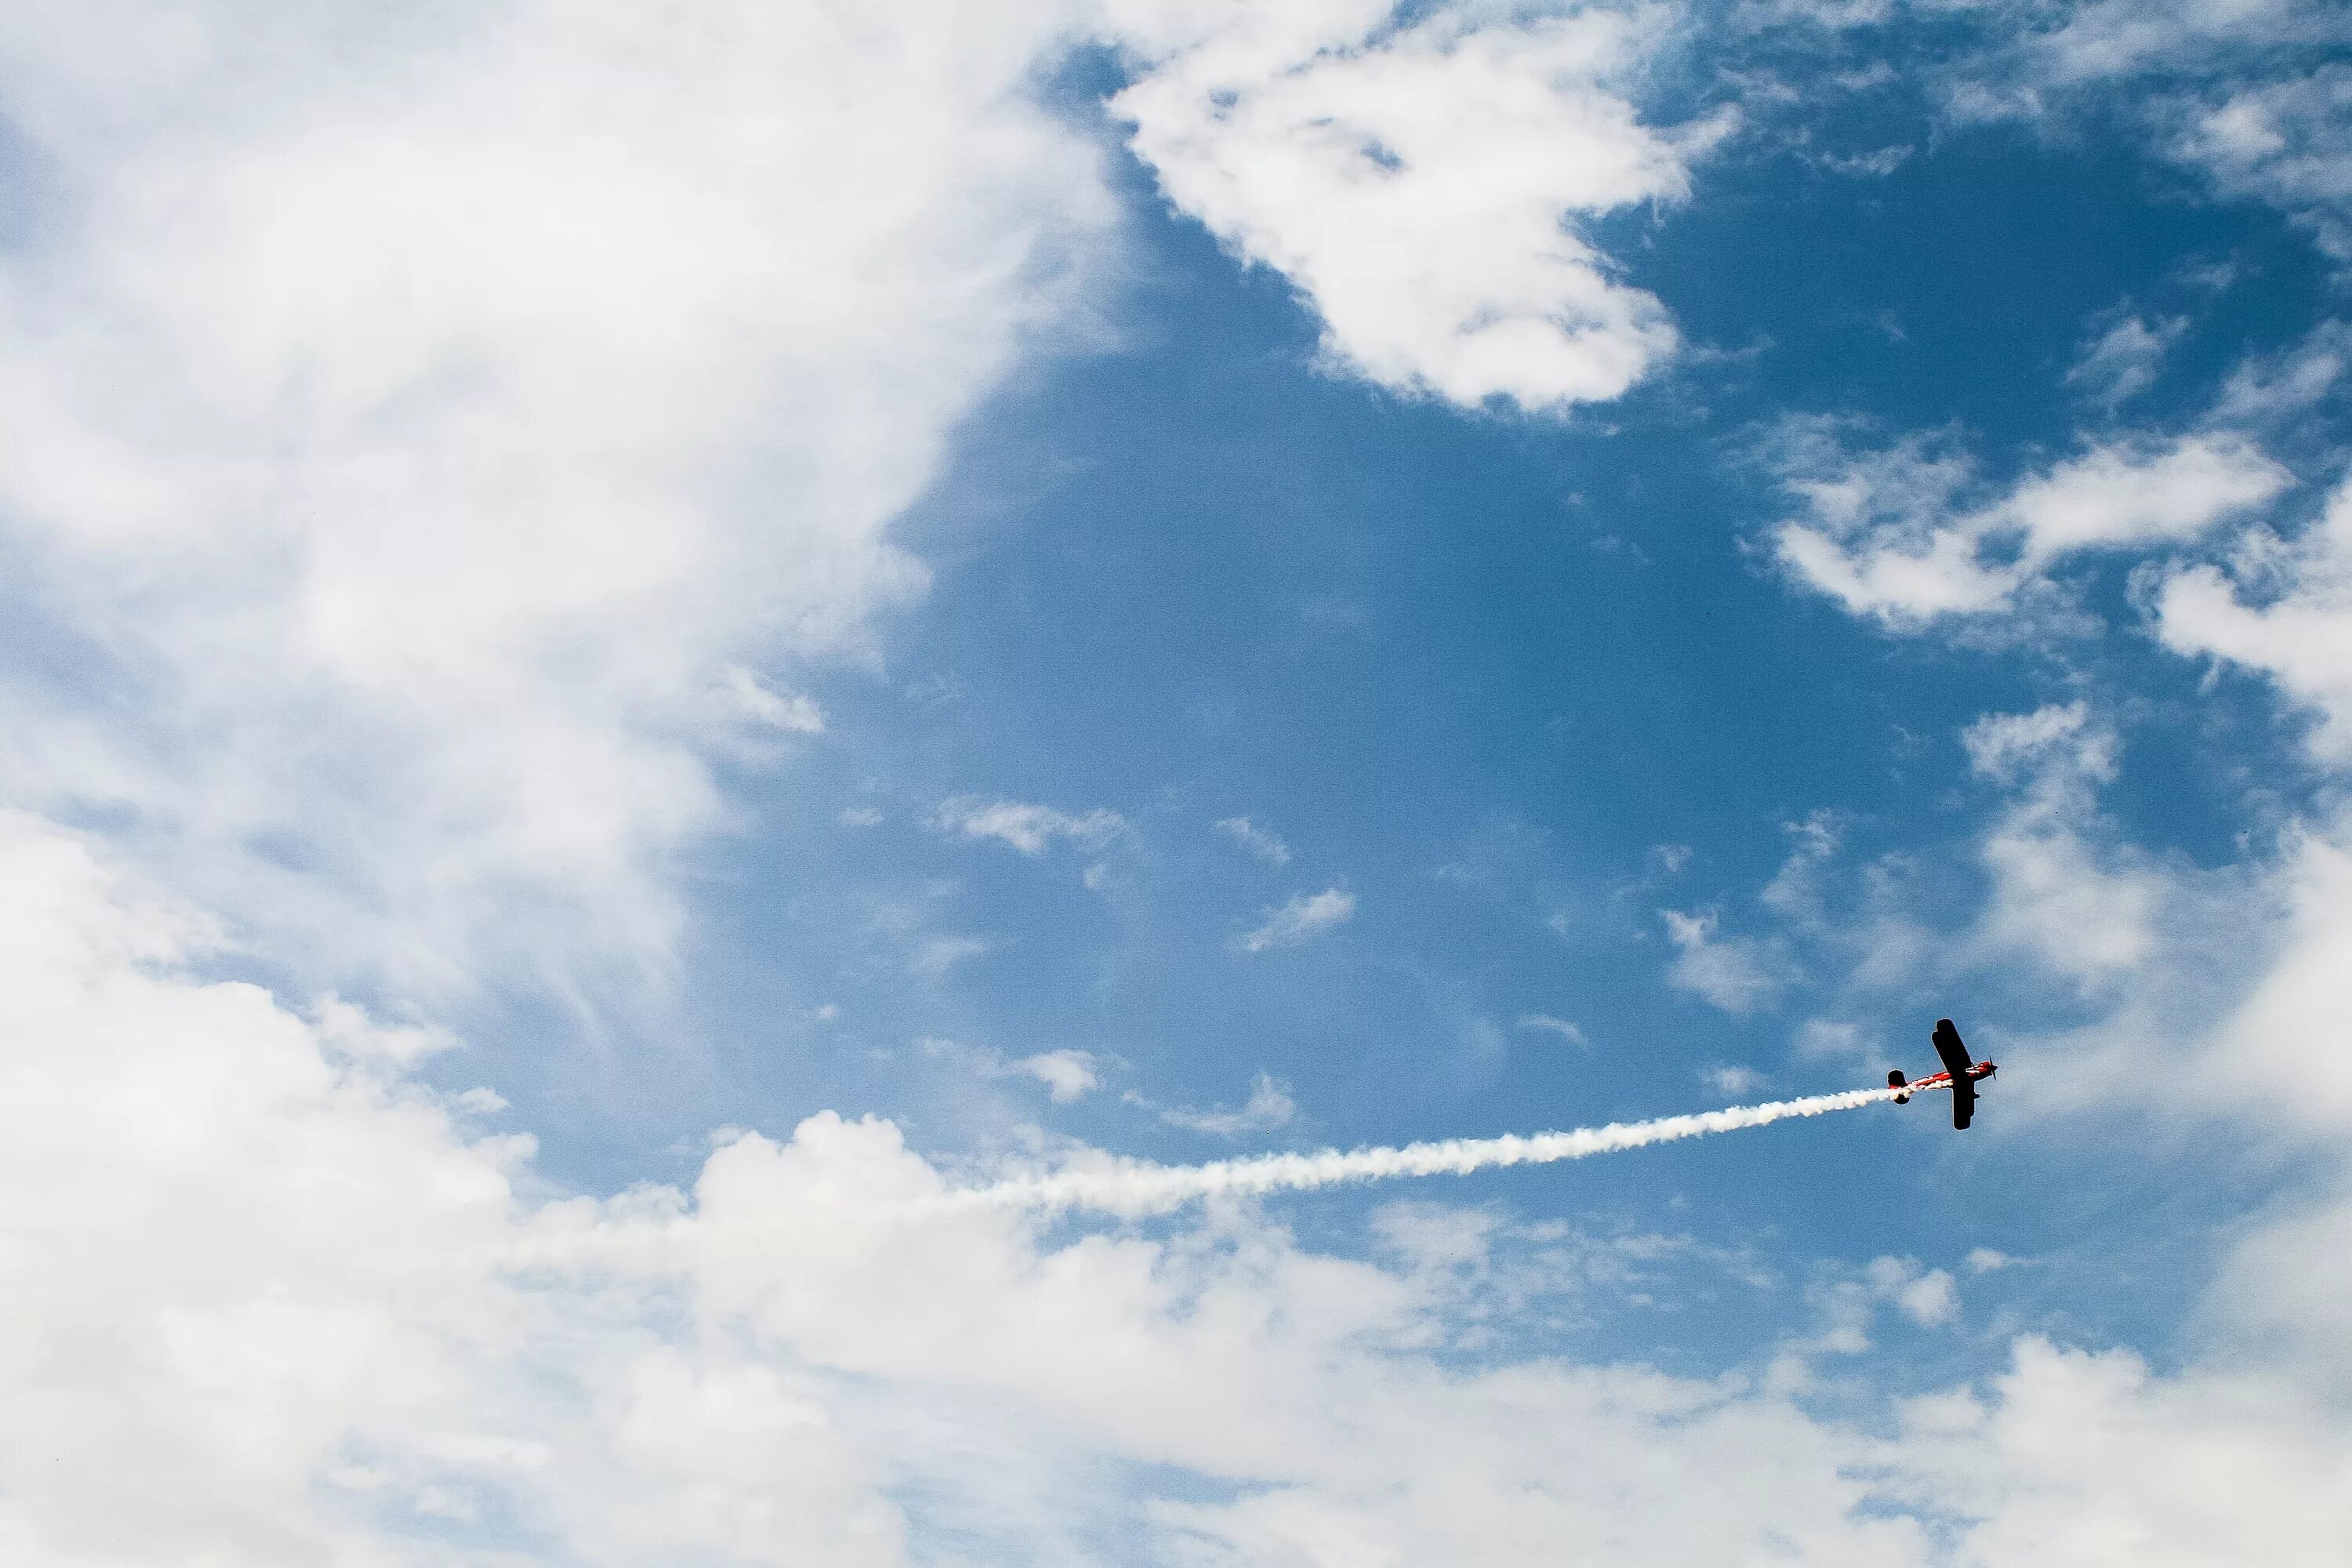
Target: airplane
[1959, 1074]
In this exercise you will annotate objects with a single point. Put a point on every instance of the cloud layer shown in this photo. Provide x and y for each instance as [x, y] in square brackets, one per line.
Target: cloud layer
[419, 1353]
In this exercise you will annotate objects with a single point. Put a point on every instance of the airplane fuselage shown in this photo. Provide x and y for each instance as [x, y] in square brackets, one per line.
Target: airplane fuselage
[1939, 1080]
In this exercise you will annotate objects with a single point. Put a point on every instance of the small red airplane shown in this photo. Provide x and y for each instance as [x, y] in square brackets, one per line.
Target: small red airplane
[1959, 1074]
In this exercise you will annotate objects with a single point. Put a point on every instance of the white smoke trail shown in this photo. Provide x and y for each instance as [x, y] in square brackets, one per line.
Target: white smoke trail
[673, 1241]
[1131, 1187]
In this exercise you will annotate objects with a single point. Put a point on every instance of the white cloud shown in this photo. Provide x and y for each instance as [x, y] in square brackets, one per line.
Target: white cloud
[1067, 1075]
[2009, 747]
[417, 415]
[1736, 974]
[1830, 15]
[2075, 1457]
[1931, 1300]
[2124, 361]
[2265, 387]
[1873, 538]
[1877, 165]
[861, 817]
[1301, 917]
[2134, 495]
[2108, 39]
[1732, 1078]
[419, 1349]
[305, 438]
[1887, 537]
[1847, 1304]
[1269, 1106]
[1421, 186]
[1028, 828]
[2076, 905]
[2286, 142]
[789, 710]
[2253, 94]
[2299, 633]
[934, 956]
[1265, 845]
[1549, 1025]
[1795, 891]
[2261, 1054]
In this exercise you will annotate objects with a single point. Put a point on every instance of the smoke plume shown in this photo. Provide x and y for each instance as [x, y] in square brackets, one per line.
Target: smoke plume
[1118, 1186]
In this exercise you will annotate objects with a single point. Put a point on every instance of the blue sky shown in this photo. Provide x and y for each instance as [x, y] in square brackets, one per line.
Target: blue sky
[636, 644]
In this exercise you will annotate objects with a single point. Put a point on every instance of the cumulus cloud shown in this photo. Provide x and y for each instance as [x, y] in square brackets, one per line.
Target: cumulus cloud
[1303, 916]
[1929, 1299]
[399, 1355]
[2074, 1457]
[1028, 828]
[1887, 535]
[383, 564]
[1067, 1075]
[2133, 495]
[1422, 186]
[415, 417]
[802, 1358]
[416, 420]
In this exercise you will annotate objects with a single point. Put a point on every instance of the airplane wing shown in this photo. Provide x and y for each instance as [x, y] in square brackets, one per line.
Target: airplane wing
[1964, 1099]
[1955, 1055]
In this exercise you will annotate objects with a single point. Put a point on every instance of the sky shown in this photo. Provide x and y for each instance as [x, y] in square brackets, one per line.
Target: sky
[636, 641]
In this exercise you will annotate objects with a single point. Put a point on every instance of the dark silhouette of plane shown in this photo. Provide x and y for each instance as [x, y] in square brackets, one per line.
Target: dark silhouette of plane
[1959, 1073]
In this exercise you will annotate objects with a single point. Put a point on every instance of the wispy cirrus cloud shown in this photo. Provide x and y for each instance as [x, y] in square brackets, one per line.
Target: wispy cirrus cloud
[1030, 829]
[1304, 916]
[1258, 841]
[933, 956]
[2077, 906]
[1269, 1106]
[1736, 974]
[2124, 361]
[1549, 1024]
[793, 711]
[2287, 141]
[1068, 1075]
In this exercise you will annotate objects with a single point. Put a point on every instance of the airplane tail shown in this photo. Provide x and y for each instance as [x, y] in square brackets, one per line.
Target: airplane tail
[1895, 1080]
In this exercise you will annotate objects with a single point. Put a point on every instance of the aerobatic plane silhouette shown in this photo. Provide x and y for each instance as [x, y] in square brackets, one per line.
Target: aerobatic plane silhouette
[1958, 1072]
